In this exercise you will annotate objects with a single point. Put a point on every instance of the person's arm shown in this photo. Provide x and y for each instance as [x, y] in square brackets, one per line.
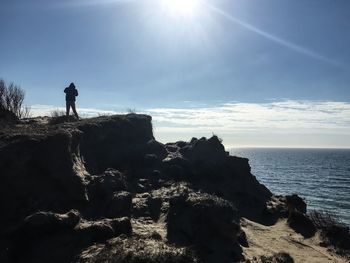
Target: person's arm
[76, 93]
[65, 90]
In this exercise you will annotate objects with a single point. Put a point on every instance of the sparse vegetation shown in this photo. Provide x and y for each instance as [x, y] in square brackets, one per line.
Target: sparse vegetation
[214, 135]
[281, 257]
[333, 232]
[324, 220]
[141, 251]
[11, 99]
[57, 113]
[131, 110]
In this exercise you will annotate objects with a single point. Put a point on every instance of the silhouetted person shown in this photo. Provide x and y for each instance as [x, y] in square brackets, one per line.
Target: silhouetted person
[71, 94]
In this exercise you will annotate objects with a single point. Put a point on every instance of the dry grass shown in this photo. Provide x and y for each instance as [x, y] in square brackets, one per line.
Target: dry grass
[134, 250]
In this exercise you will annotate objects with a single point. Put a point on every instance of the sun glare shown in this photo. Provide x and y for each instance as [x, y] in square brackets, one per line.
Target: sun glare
[183, 7]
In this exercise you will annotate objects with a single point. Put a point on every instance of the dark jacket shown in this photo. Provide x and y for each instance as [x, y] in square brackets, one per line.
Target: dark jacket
[71, 93]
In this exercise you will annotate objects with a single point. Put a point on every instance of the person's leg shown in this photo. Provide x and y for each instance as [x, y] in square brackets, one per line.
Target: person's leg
[74, 109]
[67, 108]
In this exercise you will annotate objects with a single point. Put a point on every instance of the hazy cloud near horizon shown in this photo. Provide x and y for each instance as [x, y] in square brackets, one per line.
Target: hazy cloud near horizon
[287, 123]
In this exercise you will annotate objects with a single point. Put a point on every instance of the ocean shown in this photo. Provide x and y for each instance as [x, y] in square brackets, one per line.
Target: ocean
[320, 176]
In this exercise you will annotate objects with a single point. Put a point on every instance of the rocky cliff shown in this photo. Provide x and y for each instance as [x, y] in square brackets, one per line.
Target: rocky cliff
[104, 190]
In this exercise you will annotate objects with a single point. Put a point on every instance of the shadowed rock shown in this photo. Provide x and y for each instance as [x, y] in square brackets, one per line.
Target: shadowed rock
[207, 222]
[301, 223]
[184, 199]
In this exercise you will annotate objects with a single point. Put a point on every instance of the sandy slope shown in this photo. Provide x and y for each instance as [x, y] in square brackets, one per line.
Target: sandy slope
[267, 240]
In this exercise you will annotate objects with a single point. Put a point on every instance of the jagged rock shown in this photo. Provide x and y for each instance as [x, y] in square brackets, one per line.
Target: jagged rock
[150, 159]
[98, 231]
[157, 148]
[120, 205]
[108, 196]
[206, 150]
[40, 172]
[103, 186]
[207, 223]
[301, 223]
[277, 205]
[193, 218]
[119, 141]
[294, 202]
[59, 243]
[109, 167]
[47, 223]
[176, 167]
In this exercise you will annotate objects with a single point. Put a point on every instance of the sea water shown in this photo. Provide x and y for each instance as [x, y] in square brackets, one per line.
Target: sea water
[320, 176]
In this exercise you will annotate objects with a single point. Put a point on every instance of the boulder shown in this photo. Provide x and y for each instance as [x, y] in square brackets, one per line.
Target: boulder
[205, 150]
[150, 159]
[47, 223]
[206, 223]
[301, 223]
[99, 231]
[294, 202]
[177, 167]
[157, 148]
[197, 218]
[120, 205]
[105, 185]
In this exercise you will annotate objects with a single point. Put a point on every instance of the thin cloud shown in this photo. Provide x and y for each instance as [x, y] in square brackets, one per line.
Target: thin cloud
[266, 118]
[289, 123]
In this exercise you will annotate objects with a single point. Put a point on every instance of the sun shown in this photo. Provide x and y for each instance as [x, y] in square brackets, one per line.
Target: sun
[182, 7]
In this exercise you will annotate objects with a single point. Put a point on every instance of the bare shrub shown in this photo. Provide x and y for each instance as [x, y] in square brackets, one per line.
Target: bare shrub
[324, 220]
[131, 110]
[333, 231]
[26, 112]
[57, 113]
[281, 257]
[11, 99]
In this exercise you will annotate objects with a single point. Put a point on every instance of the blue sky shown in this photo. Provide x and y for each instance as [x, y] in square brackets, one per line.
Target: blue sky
[145, 55]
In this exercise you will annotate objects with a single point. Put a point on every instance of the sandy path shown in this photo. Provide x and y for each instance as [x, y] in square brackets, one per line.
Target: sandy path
[267, 240]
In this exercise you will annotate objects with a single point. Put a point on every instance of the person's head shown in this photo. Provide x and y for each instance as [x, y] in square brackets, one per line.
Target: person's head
[72, 85]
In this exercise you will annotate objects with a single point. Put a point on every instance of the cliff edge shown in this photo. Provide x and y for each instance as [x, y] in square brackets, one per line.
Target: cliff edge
[104, 190]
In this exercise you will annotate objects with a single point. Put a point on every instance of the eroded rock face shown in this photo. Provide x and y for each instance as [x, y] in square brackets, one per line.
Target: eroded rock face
[40, 172]
[72, 186]
[42, 223]
[207, 165]
[49, 237]
[197, 218]
[122, 144]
